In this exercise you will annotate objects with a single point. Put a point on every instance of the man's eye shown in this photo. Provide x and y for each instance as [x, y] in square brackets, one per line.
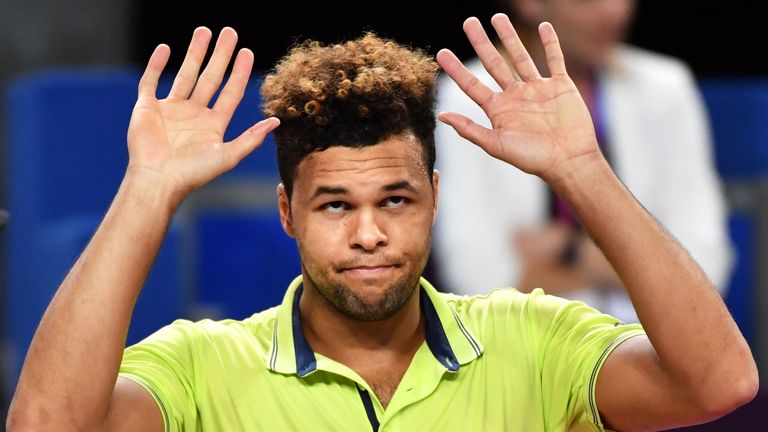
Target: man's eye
[395, 201]
[335, 206]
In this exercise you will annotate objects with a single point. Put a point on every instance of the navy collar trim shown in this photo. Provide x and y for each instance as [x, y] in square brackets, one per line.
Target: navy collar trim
[306, 362]
[437, 340]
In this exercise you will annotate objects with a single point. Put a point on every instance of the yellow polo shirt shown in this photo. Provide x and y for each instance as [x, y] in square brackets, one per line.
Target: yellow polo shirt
[506, 361]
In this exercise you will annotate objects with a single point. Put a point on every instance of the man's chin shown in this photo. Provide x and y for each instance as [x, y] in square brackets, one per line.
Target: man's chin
[370, 312]
[372, 299]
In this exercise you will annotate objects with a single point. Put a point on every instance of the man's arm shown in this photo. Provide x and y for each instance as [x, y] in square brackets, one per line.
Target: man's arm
[695, 365]
[69, 378]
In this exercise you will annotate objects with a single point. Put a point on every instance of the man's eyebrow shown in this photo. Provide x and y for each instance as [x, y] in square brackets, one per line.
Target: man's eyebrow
[402, 185]
[326, 190]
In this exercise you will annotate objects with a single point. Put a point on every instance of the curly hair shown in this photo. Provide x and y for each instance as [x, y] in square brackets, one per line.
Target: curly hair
[352, 94]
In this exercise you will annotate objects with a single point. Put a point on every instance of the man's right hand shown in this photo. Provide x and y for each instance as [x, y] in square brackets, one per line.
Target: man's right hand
[178, 141]
[175, 145]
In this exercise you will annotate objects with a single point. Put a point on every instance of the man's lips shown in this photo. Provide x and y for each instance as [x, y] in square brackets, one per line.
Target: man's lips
[369, 270]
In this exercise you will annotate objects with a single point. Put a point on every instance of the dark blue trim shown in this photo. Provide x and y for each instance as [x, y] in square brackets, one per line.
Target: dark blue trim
[369, 410]
[305, 357]
[437, 341]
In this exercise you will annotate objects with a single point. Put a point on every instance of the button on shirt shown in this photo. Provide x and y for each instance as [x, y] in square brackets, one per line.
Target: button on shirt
[505, 361]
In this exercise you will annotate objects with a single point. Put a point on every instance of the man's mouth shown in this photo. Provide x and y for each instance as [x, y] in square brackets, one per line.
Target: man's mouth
[369, 270]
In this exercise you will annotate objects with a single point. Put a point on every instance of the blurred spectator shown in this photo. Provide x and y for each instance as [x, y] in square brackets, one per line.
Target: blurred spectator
[501, 227]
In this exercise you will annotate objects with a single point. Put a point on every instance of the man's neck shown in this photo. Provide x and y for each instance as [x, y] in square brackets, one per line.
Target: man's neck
[333, 334]
[378, 351]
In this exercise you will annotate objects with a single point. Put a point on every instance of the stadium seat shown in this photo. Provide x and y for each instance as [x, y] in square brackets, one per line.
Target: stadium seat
[738, 112]
[245, 261]
[66, 156]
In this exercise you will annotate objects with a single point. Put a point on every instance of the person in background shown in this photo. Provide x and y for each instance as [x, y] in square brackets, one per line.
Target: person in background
[502, 227]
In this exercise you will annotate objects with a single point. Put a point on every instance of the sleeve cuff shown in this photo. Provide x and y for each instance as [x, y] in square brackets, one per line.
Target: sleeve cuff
[140, 381]
[594, 412]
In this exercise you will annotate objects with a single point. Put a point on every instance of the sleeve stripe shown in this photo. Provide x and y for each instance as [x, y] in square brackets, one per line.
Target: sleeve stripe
[273, 360]
[593, 379]
[138, 380]
[466, 333]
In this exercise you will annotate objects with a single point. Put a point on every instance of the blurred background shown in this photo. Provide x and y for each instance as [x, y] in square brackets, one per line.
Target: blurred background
[68, 72]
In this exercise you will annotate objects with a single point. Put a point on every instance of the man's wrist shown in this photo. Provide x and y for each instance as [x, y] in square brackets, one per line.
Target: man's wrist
[153, 188]
[584, 172]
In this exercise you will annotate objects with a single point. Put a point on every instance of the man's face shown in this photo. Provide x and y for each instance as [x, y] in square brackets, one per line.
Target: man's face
[588, 29]
[362, 220]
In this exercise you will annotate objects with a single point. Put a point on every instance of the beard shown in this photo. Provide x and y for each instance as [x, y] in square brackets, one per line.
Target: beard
[353, 304]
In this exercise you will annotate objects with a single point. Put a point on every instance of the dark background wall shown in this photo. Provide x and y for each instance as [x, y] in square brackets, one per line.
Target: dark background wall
[716, 38]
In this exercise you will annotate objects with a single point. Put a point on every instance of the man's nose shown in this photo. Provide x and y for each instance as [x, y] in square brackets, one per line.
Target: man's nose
[367, 232]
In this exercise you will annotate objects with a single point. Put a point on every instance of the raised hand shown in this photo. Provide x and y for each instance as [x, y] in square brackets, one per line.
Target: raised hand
[540, 125]
[179, 139]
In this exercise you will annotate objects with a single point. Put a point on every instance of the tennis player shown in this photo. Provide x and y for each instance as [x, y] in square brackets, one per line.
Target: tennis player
[361, 341]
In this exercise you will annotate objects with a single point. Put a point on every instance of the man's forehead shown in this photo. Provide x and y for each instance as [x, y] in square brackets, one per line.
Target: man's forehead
[394, 157]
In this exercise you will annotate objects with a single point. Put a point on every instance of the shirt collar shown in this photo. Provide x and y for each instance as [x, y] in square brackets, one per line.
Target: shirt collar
[448, 338]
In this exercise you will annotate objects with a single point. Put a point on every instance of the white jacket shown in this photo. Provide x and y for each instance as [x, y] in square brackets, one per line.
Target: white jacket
[660, 147]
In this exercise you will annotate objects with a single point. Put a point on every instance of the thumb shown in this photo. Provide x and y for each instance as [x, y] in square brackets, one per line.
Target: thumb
[248, 141]
[467, 128]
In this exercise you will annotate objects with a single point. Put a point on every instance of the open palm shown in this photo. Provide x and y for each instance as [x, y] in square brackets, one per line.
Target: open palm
[539, 125]
[180, 137]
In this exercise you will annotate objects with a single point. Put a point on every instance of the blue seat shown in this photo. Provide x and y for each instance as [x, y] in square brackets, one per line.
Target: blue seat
[66, 156]
[738, 111]
[740, 297]
[245, 261]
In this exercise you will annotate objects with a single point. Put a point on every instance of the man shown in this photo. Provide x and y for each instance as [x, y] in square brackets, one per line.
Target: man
[360, 341]
[500, 226]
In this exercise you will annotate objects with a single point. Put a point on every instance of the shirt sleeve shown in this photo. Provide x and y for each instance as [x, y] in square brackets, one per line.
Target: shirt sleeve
[164, 365]
[575, 343]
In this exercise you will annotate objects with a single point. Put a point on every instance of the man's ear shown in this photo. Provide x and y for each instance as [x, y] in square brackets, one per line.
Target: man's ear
[435, 192]
[284, 205]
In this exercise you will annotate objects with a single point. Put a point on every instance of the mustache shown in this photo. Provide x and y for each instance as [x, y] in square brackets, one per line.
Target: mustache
[368, 261]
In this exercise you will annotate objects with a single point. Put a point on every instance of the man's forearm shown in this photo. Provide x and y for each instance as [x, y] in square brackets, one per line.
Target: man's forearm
[684, 316]
[70, 370]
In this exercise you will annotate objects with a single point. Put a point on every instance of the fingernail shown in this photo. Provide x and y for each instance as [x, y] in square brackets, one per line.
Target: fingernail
[271, 122]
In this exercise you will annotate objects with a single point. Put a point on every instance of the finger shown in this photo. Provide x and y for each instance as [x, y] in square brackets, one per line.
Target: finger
[155, 66]
[465, 79]
[249, 140]
[187, 76]
[493, 62]
[552, 49]
[233, 90]
[210, 80]
[468, 129]
[518, 55]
